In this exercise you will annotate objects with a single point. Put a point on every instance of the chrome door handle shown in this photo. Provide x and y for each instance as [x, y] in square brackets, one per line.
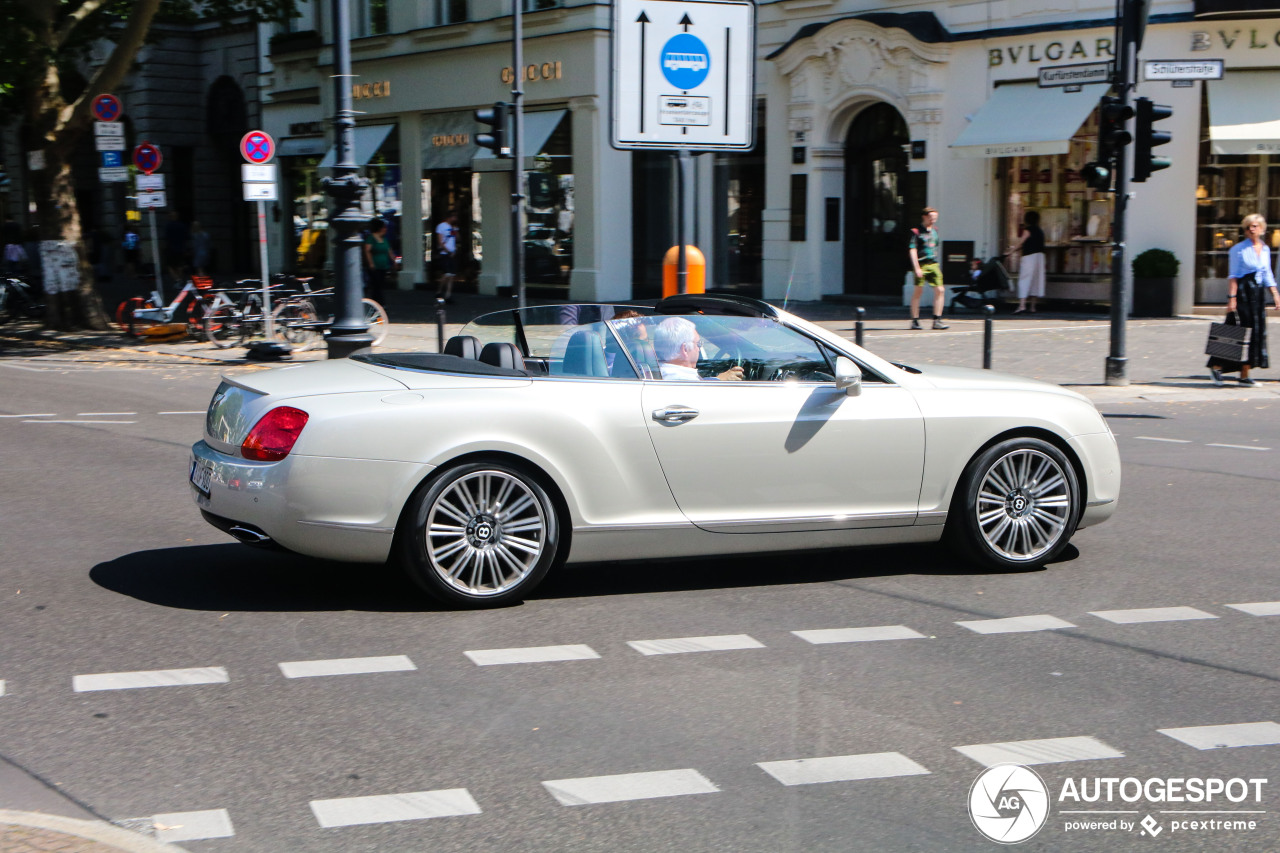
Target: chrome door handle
[674, 415]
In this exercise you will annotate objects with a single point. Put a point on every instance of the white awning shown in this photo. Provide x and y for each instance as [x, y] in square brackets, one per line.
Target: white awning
[1244, 113]
[367, 142]
[1021, 119]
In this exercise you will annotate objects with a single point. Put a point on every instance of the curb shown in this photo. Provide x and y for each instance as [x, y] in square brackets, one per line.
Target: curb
[100, 832]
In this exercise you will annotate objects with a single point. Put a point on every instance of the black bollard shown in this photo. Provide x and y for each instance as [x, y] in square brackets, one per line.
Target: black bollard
[440, 324]
[857, 327]
[987, 328]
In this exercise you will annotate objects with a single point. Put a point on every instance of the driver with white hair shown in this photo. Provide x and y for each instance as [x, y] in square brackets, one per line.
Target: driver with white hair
[678, 346]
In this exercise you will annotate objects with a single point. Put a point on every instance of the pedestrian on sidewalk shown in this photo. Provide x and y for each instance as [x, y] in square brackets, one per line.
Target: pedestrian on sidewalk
[1250, 275]
[447, 255]
[1031, 267]
[377, 258]
[922, 250]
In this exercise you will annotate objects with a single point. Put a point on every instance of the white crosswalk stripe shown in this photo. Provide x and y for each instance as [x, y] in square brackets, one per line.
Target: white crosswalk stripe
[681, 645]
[390, 808]
[193, 826]
[346, 666]
[1221, 737]
[842, 768]
[1, 687]
[151, 678]
[589, 790]
[530, 654]
[823, 636]
[1258, 608]
[1151, 614]
[1016, 624]
[1047, 751]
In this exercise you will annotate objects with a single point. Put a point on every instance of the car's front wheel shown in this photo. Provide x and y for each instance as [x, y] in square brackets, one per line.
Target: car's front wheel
[1016, 506]
[480, 535]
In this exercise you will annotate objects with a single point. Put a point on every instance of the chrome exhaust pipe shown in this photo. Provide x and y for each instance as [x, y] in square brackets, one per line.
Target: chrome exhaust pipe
[249, 535]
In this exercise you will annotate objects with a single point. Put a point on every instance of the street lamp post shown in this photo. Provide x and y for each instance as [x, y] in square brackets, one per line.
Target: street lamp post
[349, 331]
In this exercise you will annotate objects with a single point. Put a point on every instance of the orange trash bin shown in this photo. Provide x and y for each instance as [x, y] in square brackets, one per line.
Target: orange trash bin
[697, 263]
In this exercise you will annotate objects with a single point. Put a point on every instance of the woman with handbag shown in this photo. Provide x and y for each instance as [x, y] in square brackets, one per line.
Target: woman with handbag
[1250, 274]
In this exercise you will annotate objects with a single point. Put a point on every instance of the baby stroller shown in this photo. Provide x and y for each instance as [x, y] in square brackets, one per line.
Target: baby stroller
[987, 289]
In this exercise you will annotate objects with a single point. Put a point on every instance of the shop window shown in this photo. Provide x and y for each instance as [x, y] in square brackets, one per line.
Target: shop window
[549, 210]
[738, 216]
[1076, 219]
[799, 206]
[538, 5]
[370, 18]
[307, 209]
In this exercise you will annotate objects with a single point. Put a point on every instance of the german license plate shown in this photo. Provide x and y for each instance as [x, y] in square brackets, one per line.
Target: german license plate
[201, 475]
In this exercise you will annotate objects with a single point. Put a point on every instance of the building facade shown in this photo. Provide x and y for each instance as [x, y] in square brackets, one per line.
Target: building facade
[865, 113]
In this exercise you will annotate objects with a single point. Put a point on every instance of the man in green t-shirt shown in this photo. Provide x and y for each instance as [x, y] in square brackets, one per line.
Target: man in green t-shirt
[923, 252]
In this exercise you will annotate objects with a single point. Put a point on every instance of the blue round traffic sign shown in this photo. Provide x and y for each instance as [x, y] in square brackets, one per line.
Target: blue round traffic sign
[685, 61]
[257, 146]
[147, 158]
[107, 108]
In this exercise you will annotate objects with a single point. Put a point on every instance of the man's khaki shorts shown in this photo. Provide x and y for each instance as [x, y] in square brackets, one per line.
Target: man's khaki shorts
[931, 274]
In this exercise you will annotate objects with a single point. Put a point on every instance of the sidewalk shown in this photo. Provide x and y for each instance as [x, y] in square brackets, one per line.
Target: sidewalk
[1165, 356]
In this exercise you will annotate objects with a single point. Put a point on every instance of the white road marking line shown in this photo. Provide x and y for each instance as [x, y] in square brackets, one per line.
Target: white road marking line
[179, 413]
[1, 687]
[193, 826]
[1219, 737]
[103, 414]
[1258, 608]
[1238, 446]
[1156, 438]
[530, 654]
[389, 808]
[32, 415]
[1016, 624]
[345, 666]
[79, 422]
[858, 635]
[842, 768]
[1047, 751]
[1151, 614]
[150, 678]
[629, 786]
[680, 645]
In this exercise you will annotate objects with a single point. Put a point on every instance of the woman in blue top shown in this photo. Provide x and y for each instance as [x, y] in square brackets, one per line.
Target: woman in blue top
[1250, 275]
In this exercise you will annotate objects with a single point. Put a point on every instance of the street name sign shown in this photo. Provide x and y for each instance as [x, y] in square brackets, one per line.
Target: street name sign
[683, 74]
[151, 199]
[113, 174]
[1182, 69]
[1076, 75]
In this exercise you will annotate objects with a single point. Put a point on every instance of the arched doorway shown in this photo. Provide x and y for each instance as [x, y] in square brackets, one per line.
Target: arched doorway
[227, 219]
[880, 199]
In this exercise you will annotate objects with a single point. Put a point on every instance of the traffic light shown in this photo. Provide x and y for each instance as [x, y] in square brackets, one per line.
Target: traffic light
[1147, 137]
[1112, 137]
[1097, 176]
[496, 139]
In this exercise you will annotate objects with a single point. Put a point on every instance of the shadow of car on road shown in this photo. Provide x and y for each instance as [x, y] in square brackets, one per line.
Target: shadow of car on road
[235, 577]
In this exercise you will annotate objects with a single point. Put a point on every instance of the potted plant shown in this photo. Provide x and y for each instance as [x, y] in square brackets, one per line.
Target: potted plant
[1154, 273]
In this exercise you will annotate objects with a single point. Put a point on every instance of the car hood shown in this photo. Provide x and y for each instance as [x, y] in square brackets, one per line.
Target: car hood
[946, 377]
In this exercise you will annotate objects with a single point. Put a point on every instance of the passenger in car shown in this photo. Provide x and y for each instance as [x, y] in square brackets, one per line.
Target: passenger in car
[678, 345]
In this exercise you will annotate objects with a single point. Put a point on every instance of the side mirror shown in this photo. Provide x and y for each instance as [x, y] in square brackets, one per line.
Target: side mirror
[848, 376]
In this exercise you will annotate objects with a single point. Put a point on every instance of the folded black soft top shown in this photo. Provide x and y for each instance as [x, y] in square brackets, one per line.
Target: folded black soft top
[437, 362]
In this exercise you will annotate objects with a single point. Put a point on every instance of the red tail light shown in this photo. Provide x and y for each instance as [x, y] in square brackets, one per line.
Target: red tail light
[274, 435]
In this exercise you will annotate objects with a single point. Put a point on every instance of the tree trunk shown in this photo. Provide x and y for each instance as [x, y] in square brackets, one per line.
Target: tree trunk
[71, 294]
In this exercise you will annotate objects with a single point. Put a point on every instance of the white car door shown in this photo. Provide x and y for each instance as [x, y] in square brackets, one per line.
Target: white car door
[788, 452]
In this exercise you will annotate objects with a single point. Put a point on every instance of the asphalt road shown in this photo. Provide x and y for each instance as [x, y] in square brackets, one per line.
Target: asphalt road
[106, 567]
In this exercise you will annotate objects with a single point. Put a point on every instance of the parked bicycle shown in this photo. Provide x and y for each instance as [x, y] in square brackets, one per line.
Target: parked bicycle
[18, 300]
[138, 316]
[297, 318]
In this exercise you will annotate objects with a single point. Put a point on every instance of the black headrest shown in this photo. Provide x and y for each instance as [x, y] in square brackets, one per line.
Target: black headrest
[502, 355]
[463, 346]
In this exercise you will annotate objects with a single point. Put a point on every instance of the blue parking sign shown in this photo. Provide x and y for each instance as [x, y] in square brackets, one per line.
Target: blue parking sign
[111, 159]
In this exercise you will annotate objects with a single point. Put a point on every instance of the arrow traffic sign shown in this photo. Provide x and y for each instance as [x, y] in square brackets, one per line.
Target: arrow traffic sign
[683, 74]
[107, 108]
[257, 146]
[147, 158]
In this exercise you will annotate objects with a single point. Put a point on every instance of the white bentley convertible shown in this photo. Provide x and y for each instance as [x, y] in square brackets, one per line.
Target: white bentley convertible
[705, 425]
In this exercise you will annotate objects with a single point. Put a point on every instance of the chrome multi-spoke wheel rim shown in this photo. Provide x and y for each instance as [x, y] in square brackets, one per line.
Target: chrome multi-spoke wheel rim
[485, 532]
[1024, 504]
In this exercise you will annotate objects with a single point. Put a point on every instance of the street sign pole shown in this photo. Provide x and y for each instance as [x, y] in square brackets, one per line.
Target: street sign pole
[155, 259]
[517, 149]
[684, 218]
[1117, 361]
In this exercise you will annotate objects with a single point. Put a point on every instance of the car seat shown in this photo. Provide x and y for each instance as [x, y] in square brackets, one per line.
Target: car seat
[584, 356]
[502, 354]
[463, 346]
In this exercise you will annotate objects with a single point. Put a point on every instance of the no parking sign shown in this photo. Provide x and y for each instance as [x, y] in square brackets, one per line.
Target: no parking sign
[257, 146]
[147, 158]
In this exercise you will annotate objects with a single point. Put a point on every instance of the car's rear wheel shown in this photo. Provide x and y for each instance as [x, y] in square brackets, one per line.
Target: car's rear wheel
[480, 535]
[1016, 506]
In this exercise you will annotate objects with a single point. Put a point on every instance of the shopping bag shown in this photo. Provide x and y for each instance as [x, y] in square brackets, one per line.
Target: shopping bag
[1228, 341]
